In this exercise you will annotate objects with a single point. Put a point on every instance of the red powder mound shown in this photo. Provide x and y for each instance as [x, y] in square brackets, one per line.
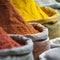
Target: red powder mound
[6, 41]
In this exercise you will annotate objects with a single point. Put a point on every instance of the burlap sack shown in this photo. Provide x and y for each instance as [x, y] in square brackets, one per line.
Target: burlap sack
[19, 53]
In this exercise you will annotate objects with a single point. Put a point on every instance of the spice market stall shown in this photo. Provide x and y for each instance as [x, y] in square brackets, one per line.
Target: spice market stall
[22, 35]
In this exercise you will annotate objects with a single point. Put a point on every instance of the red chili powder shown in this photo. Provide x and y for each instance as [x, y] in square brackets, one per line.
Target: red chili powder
[6, 41]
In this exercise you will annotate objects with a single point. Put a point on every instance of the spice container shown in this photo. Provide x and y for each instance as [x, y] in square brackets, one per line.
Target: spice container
[40, 40]
[19, 53]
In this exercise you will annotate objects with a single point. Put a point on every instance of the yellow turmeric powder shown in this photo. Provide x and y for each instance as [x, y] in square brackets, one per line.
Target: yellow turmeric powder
[29, 9]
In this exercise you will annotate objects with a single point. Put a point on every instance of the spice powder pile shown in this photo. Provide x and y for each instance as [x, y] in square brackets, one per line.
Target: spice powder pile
[6, 41]
[11, 20]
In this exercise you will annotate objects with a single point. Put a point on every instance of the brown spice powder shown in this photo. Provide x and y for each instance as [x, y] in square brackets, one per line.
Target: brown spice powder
[11, 20]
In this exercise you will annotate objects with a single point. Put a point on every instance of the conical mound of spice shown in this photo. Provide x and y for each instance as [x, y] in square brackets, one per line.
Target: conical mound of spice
[6, 41]
[11, 20]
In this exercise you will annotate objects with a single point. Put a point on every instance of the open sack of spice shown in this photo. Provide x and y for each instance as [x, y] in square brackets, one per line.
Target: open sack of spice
[32, 12]
[40, 39]
[12, 21]
[15, 47]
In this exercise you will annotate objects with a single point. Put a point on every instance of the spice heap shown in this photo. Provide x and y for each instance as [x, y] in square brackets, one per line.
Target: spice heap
[6, 41]
[29, 9]
[11, 21]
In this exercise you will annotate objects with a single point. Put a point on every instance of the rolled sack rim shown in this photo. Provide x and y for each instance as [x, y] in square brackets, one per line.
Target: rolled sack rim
[26, 49]
[45, 40]
[42, 56]
[38, 36]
